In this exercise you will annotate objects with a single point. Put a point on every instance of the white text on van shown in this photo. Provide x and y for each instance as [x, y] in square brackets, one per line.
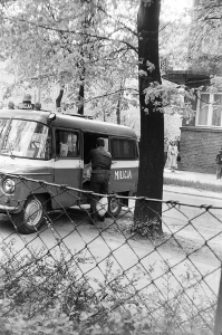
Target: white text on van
[127, 174]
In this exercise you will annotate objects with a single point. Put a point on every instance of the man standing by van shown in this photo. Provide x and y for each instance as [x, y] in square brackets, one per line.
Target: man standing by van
[101, 162]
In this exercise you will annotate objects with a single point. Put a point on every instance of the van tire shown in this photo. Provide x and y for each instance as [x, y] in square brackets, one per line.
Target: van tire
[114, 207]
[32, 215]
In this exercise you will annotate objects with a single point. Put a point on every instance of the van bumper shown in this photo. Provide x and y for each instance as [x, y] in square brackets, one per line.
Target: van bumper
[6, 209]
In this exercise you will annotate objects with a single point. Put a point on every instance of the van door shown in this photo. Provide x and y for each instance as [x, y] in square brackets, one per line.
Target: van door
[125, 163]
[68, 166]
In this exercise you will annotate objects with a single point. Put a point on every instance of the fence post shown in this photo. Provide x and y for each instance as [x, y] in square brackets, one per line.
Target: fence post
[218, 317]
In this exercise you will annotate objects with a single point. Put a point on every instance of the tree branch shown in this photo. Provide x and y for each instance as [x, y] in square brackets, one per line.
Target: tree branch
[62, 31]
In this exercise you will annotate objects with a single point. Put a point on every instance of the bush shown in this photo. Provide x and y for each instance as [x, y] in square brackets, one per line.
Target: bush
[41, 293]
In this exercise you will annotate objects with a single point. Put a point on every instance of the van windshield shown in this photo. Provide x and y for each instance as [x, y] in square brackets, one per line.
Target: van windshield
[23, 138]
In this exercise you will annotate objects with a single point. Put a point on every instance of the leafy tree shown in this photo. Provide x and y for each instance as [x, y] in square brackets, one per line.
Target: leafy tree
[205, 45]
[95, 47]
[174, 37]
[70, 42]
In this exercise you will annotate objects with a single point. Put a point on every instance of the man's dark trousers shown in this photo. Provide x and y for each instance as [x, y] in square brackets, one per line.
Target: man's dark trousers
[99, 184]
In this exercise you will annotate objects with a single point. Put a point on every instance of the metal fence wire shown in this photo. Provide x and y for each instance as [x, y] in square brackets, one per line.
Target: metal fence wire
[75, 277]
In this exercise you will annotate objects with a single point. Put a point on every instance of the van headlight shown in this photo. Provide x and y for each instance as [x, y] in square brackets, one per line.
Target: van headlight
[8, 186]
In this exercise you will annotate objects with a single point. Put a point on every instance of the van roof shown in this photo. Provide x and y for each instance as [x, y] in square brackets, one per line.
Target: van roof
[70, 121]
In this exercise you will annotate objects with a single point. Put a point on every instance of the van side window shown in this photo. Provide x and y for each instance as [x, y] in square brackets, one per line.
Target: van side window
[123, 149]
[67, 143]
[3, 127]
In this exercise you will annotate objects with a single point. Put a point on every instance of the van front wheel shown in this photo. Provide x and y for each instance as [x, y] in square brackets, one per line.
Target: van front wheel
[114, 207]
[32, 216]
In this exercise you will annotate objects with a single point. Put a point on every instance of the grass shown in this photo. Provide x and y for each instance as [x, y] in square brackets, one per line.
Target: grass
[193, 184]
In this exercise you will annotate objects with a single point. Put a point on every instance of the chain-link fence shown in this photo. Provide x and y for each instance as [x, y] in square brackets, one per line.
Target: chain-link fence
[74, 276]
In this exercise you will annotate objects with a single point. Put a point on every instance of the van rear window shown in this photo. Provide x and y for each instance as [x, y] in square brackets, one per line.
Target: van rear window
[123, 149]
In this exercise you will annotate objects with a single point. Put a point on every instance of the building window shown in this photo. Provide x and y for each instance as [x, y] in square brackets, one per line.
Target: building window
[217, 110]
[209, 112]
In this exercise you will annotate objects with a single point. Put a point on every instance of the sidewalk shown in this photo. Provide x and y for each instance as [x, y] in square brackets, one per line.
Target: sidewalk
[200, 184]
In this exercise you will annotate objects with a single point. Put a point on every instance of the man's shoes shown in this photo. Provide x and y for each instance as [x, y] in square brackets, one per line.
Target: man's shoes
[101, 219]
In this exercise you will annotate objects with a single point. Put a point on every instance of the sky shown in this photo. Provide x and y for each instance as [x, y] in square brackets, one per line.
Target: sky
[173, 8]
[179, 5]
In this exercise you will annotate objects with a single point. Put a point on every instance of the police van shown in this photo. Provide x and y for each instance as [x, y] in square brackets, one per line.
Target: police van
[52, 147]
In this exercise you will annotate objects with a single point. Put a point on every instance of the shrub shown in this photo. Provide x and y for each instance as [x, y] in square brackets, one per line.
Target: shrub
[44, 293]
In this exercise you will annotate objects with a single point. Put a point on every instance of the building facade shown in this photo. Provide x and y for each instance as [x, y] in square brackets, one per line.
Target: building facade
[201, 135]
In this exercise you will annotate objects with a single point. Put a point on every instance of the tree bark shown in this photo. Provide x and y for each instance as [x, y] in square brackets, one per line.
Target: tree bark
[150, 184]
[86, 23]
[81, 94]
[59, 98]
[118, 118]
[119, 102]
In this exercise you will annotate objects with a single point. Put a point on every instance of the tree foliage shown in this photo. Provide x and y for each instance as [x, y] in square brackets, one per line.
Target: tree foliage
[174, 37]
[205, 43]
[54, 41]
[95, 45]
[75, 42]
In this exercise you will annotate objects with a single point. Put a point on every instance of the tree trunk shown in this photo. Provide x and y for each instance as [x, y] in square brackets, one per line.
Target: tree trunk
[118, 119]
[119, 102]
[150, 184]
[81, 95]
[89, 12]
[59, 98]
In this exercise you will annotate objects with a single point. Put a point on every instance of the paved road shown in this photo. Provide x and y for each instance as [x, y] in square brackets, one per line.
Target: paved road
[203, 224]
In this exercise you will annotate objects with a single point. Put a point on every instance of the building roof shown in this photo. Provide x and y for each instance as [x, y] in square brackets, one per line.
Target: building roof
[191, 78]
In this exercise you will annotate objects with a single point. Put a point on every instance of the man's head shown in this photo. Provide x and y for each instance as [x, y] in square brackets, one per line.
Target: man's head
[100, 142]
[220, 151]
